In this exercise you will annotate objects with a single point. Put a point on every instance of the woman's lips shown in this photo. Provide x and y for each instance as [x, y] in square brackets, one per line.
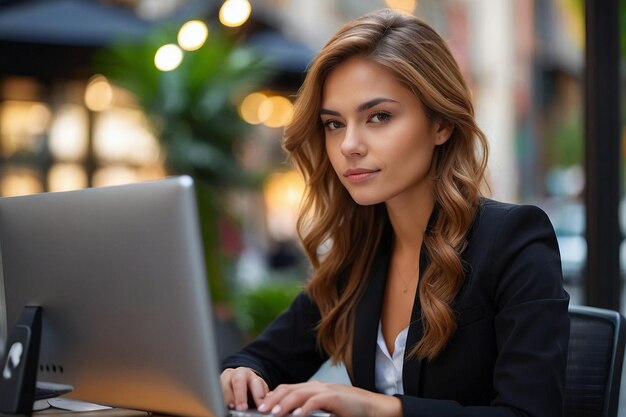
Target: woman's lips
[357, 175]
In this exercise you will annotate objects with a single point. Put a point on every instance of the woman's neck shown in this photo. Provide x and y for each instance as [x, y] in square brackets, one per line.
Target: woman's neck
[409, 222]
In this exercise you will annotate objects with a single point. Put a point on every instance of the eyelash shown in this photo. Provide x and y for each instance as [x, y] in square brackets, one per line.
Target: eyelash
[328, 124]
[386, 115]
[333, 124]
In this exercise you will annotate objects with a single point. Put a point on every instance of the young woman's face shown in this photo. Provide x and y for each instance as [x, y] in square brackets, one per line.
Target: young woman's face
[378, 138]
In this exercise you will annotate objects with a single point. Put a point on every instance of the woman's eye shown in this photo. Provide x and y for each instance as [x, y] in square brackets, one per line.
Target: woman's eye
[332, 124]
[380, 117]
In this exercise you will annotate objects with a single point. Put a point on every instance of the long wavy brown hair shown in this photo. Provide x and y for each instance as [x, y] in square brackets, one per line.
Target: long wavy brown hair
[420, 59]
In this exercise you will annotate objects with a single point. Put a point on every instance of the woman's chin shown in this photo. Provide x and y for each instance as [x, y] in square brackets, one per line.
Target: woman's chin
[365, 200]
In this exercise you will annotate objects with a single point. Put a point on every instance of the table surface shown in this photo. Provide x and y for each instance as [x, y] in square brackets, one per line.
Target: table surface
[112, 412]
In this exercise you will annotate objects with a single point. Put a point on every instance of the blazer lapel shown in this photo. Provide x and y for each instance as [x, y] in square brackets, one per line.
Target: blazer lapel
[367, 318]
[412, 368]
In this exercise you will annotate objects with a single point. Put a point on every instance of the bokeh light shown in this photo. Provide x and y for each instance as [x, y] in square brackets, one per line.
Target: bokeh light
[406, 6]
[114, 175]
[98, 94]
[192, 35]
[272, 111]
[22, 126]
[67, 177]
[279, 112]
[39, 117]
[137, 146]
[20, 181]
[249, 108]
[282, 194]
[235, 13]
[68, 139]
[168, 57]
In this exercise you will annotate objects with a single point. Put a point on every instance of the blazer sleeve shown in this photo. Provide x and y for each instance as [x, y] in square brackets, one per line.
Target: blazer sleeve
[531, 324]
[286, 352]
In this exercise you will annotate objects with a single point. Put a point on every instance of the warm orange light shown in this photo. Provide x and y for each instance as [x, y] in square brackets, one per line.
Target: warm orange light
[282, 193]
[407, 6]
[98, 94]
[66, 177]
[20, 182]
[279, 112]
[272, 111]
[249, 108]
[114, 175]
[21, 125]
[39, 116]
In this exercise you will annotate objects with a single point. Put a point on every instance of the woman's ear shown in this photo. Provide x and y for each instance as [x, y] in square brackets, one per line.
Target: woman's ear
[443, 132]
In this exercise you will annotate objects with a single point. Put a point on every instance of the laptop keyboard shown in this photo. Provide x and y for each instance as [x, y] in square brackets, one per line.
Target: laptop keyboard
[255, 413]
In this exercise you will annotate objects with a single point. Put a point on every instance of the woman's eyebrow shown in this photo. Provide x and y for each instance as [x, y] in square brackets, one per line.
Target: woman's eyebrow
[361, 107]
[329, 112]
[373, 102]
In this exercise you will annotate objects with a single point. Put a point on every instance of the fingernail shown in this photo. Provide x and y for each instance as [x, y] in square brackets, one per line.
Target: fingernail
[262, 408]
[276, 409]
[297, 411]
[242, 407]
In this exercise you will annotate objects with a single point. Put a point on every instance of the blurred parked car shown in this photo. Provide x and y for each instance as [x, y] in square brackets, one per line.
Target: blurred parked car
[568, 219]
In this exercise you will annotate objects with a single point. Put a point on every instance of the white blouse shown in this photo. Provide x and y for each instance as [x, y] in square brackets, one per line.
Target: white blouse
[389, 368]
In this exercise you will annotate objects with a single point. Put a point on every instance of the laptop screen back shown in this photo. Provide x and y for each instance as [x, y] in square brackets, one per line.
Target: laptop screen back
[119, 273]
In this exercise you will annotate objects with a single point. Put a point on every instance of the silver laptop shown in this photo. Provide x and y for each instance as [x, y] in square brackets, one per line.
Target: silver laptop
[119, 273]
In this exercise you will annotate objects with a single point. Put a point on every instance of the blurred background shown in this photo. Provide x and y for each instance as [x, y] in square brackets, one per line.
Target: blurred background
[104, 92]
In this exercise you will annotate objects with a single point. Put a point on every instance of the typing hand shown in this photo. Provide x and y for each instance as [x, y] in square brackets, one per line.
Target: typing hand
[341, 400]
[237, 383]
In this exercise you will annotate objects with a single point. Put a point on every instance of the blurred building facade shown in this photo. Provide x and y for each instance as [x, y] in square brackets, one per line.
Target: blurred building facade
[523, 60]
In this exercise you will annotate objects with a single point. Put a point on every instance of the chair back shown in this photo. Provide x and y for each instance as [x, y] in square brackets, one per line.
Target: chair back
[594, 362]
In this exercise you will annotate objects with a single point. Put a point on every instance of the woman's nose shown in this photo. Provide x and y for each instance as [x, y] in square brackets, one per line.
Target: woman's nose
[352, 144]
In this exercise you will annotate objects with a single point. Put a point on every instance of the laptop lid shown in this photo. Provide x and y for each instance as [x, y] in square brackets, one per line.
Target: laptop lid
[119, 272]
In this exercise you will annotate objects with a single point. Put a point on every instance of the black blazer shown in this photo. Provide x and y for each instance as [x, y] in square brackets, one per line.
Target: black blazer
[509, 352]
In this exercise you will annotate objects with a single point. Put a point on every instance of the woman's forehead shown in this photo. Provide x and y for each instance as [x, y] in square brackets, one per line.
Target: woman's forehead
[358, 80]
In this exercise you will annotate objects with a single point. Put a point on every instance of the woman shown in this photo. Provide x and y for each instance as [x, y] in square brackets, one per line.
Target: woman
[439, 301]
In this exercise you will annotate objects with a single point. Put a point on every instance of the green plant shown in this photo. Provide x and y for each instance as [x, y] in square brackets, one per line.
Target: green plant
[193, 112]
[256, 308]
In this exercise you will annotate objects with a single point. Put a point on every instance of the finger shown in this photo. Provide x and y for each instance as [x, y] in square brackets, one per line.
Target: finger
[258, 389]
[272, 398]
[289, 403]
[326, 401]
[239, 383]
[296, 397]
[227, 390]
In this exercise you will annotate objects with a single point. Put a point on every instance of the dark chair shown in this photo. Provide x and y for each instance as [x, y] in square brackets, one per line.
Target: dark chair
[594, 362]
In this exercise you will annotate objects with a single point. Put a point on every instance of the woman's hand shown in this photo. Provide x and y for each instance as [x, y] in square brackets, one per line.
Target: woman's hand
[237, 383]
[342, 400]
